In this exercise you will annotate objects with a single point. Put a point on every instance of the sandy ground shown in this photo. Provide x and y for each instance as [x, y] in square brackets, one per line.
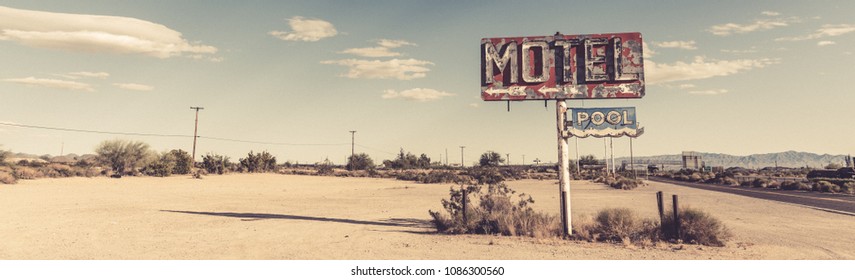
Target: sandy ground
[269, 216]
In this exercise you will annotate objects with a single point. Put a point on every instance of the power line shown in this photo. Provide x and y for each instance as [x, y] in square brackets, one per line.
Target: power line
[95, 131]
[272, 143]
[164, 135]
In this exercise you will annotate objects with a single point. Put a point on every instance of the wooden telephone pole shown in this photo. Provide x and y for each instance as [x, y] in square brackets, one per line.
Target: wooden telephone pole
[195, 130]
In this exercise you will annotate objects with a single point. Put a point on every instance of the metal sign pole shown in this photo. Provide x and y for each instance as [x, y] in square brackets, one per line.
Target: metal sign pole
[563, 167]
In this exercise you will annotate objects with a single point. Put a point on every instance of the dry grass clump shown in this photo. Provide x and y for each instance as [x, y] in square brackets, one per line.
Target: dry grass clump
[6, 177]
[624, 183]
[620, 225]
[696, 227]
[499, 210]
[793, 186]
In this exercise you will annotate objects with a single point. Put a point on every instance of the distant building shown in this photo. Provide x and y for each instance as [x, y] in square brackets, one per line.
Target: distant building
[692, 160]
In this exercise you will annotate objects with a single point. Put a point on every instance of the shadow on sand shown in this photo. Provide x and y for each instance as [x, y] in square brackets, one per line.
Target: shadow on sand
[394, 222]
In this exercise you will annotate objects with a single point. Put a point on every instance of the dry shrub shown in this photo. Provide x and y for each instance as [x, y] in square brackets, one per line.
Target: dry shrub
[585, 228]
[7, 178]
[624, 183]
[27, 173]
[727, 181]
[848, 187]
[617, 224]
[440, 176]
[696, 227]
[793, 186]
[826, 186]
[760, 183]
[499, 210]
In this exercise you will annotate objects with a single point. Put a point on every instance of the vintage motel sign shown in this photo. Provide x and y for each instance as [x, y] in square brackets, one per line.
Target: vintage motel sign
[592, 66]
[603, 122]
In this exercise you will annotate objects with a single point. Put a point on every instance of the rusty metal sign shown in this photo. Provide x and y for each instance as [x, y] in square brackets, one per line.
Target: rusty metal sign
[592, 66]
[603, 122]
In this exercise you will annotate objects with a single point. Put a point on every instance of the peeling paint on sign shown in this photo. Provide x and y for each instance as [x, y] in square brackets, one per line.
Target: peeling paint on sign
[593, 66]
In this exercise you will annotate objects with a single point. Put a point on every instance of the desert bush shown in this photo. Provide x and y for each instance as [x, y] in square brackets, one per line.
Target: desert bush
[826, 186]
[6, 177]
[617, 224]
[485, 175]
[499, 210]
[183, 162]
[215, 164]
[408, 161]
[162, 167]
[727, 181]
[440, 176]
[325, 168]
[793, 186]
[696, 227]
[27, 173]
[261, 162]
[774, 184]
[624, 183]
[490, 159]
[760, 183]
[123, 157]
[359, 162]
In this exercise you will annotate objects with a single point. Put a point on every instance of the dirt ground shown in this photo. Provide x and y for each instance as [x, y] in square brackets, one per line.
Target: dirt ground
[270, 216]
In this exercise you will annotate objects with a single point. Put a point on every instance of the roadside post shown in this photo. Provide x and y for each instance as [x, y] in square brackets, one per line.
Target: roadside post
[562, 67]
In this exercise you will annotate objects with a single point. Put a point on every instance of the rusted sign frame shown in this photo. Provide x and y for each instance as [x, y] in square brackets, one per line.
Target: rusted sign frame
[558, 67]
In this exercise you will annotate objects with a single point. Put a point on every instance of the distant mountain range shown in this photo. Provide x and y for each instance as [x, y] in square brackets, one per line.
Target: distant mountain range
[782, 159]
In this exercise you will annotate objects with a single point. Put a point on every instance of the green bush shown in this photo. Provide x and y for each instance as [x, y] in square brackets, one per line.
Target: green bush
[490, 159]
[696, 227]
[183, 162]
[123, 157]
[360, 162]
[261, 162]
[215, 164]
[162, 167]
[440, 176]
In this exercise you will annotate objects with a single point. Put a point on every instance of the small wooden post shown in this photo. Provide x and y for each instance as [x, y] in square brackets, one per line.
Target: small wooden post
[676, 218]
[465, 219]
[661, 204]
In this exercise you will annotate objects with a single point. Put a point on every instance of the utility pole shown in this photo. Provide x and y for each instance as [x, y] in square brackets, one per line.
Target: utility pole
[195, 130]
[509, 159]
[523, 159]
[446, 156]
[352, 144]
[461, 156]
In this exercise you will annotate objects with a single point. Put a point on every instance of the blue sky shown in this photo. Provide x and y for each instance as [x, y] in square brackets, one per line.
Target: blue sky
[722, 76]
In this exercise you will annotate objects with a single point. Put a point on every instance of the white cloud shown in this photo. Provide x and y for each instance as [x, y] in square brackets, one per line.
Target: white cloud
[825, 43]
[92, 33]
[646, 51]
[306, 30]
[709, 92]
[84, 74]
[686, 45]
[758, 25]
[384, 49]
[386, 43]
[827, 30]
[371, 52]
[401, 69]
[770, 13]
[132, 86]
[751, 50]
[416, 94]
[700, 68]
[52, 83]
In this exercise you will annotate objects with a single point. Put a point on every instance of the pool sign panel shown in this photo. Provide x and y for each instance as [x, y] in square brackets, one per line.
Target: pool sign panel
[603, 122]
[592, 66]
